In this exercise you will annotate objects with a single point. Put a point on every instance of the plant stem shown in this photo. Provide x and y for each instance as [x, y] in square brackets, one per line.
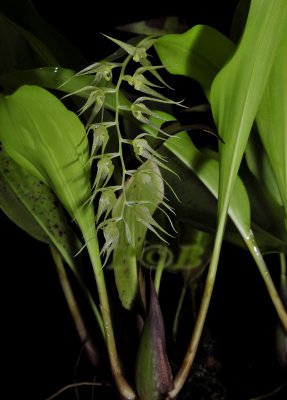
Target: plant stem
[123, 387]
[160, 267]
[186, 365]
[277, 302]
[178, 309]
[283, 265]
[73, 307]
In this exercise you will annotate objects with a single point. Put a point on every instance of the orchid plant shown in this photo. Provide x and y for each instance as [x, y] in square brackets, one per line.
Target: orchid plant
[94, 162]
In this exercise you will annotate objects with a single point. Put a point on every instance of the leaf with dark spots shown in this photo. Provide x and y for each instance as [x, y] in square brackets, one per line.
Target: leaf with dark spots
[32, 206]
[153, 373]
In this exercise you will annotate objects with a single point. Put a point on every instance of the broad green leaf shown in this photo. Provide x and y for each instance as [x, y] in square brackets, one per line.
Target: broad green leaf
[153, 373]
[238, 88]
[271, 121]
[144, 187]
[207, 170]
[43, 136]
[200, 210]
[198, 53]
[33, 207]
[27, 201]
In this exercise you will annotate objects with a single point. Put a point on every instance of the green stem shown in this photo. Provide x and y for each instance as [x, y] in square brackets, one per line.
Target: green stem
[186, 365]
[73, 307]
[123, 387]
[275, 297]
[283, 279]
[160, 267]
[283, 265]
[178, 309]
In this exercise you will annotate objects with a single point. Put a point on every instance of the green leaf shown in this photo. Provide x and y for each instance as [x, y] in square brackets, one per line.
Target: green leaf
[153, 373]
[207, 170]
[43, 136]
[200, 207]
[237, 90]
[144, 188]
[198, 53]
[271, 121]
[33, 207]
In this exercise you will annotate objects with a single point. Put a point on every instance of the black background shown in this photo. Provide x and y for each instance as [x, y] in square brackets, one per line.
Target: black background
[40, 346]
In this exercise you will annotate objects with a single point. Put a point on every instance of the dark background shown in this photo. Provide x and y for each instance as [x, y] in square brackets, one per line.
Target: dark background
[40, 346]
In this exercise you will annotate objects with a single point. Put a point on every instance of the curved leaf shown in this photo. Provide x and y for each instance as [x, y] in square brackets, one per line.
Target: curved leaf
[33, 207]
[237, 90]
[43, 136]
[198, 53]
